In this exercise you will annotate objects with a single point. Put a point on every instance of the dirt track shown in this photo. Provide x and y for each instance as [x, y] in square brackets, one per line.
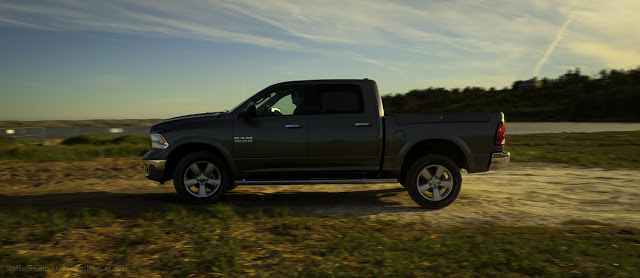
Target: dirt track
[523, 194]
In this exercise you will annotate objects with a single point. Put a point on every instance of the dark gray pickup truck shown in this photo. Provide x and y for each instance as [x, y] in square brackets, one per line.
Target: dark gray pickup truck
[324, 131]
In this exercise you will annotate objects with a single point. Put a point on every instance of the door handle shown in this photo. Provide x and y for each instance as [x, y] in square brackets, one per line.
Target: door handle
[362, 124]
[293, 126]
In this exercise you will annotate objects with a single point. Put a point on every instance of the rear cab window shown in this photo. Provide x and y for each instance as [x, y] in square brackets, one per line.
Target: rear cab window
[338, 99]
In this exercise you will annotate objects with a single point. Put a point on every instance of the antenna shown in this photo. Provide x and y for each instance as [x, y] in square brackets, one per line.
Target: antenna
[243, 90]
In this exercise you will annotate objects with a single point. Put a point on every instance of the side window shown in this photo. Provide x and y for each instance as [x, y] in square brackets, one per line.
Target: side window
[340, 99]
[282, 101]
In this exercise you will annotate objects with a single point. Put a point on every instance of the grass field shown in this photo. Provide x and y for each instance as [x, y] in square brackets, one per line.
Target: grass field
[179, 240]
[77, 148]
[609, 150]
[215, 240]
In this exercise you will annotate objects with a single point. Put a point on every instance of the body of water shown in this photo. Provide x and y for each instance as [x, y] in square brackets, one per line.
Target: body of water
[559, 127]
[36, 134]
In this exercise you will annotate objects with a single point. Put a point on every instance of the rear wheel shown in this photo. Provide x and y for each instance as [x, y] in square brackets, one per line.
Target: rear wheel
[433, 181]
[201, 177]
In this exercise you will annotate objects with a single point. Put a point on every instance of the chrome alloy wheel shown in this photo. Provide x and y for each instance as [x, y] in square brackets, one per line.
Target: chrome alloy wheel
[202, 179]
[434, 182]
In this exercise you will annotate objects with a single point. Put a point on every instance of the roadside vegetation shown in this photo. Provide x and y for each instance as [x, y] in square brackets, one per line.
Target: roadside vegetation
[612, 96]
[608, 150]
[77, 148]
[177, 241]
[78, 123]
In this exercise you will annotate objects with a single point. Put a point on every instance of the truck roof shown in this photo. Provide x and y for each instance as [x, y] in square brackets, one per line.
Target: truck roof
[325, 81]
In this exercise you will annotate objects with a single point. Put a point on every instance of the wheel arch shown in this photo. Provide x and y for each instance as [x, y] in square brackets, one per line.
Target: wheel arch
[439, 146]
[198, 144]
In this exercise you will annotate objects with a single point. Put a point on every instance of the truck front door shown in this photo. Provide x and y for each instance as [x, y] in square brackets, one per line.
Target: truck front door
[275, 140]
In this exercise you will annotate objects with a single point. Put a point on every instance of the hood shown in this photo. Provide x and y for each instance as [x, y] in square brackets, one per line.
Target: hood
[186, 121]
[200, 115]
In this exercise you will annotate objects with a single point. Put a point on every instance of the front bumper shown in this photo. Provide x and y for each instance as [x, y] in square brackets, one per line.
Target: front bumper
[155, 169]
[499, 160]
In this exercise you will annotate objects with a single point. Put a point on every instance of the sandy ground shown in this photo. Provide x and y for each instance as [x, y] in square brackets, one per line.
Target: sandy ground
[523, 194]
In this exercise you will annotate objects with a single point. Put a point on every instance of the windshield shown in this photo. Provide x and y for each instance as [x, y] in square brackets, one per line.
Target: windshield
[236, 107]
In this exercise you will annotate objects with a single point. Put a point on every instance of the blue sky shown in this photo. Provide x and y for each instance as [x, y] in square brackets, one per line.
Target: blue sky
[119, 59]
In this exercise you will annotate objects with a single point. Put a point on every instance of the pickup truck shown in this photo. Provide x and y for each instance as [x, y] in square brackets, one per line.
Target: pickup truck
[324, 131]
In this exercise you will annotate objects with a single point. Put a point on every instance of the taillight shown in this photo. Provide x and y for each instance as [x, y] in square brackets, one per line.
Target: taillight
[500, 135]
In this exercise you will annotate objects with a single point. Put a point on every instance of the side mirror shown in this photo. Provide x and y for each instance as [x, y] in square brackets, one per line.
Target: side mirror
[250, 111]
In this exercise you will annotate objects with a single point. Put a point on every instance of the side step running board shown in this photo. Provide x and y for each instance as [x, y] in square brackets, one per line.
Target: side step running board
[294, 182]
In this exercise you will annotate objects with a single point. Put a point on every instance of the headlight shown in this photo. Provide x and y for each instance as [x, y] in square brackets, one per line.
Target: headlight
[158, 142]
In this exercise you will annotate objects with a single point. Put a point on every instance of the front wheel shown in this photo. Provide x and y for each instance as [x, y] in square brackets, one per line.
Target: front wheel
[201, 177]
[433, 181]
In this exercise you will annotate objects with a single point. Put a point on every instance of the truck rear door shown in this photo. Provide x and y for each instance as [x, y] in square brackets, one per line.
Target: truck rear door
[344, 132]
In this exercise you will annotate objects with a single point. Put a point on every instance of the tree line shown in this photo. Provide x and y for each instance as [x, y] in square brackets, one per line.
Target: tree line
[613, 95]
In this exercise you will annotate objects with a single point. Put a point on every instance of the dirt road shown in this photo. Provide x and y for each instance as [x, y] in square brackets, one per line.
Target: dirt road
[523, 194]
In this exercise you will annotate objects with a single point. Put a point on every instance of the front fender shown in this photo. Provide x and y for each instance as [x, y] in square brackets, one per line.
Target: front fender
[191, 143]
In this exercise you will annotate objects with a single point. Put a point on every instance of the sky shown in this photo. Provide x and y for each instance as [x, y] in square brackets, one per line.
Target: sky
[142, 59]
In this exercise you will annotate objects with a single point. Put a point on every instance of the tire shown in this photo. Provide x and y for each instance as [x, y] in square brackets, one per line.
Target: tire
[201, 177]
[433, 181]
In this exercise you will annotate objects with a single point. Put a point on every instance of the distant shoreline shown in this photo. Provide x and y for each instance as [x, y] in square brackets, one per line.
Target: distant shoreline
[150, 122]
[75, 123]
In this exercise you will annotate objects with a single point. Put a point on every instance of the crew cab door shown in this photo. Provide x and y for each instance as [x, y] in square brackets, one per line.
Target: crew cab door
[344, 134]
[275, 140]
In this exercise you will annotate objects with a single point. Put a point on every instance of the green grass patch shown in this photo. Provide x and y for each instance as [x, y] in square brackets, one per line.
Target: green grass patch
[77, 148]
[187, 240]
[609, 150]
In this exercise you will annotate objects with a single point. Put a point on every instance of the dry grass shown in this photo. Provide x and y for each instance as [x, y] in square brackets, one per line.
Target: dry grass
[204, 241]
[609, 150]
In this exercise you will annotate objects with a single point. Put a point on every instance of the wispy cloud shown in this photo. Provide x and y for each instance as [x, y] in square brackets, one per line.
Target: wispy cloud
[276, 24]
[403, 44]
[128, 18]
[552, 46]
[375, 23]
[27, 25]
[611, 56]
[510, 34]
[607, 34]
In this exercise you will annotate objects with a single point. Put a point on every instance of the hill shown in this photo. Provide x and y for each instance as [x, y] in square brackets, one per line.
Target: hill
[612, 96]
